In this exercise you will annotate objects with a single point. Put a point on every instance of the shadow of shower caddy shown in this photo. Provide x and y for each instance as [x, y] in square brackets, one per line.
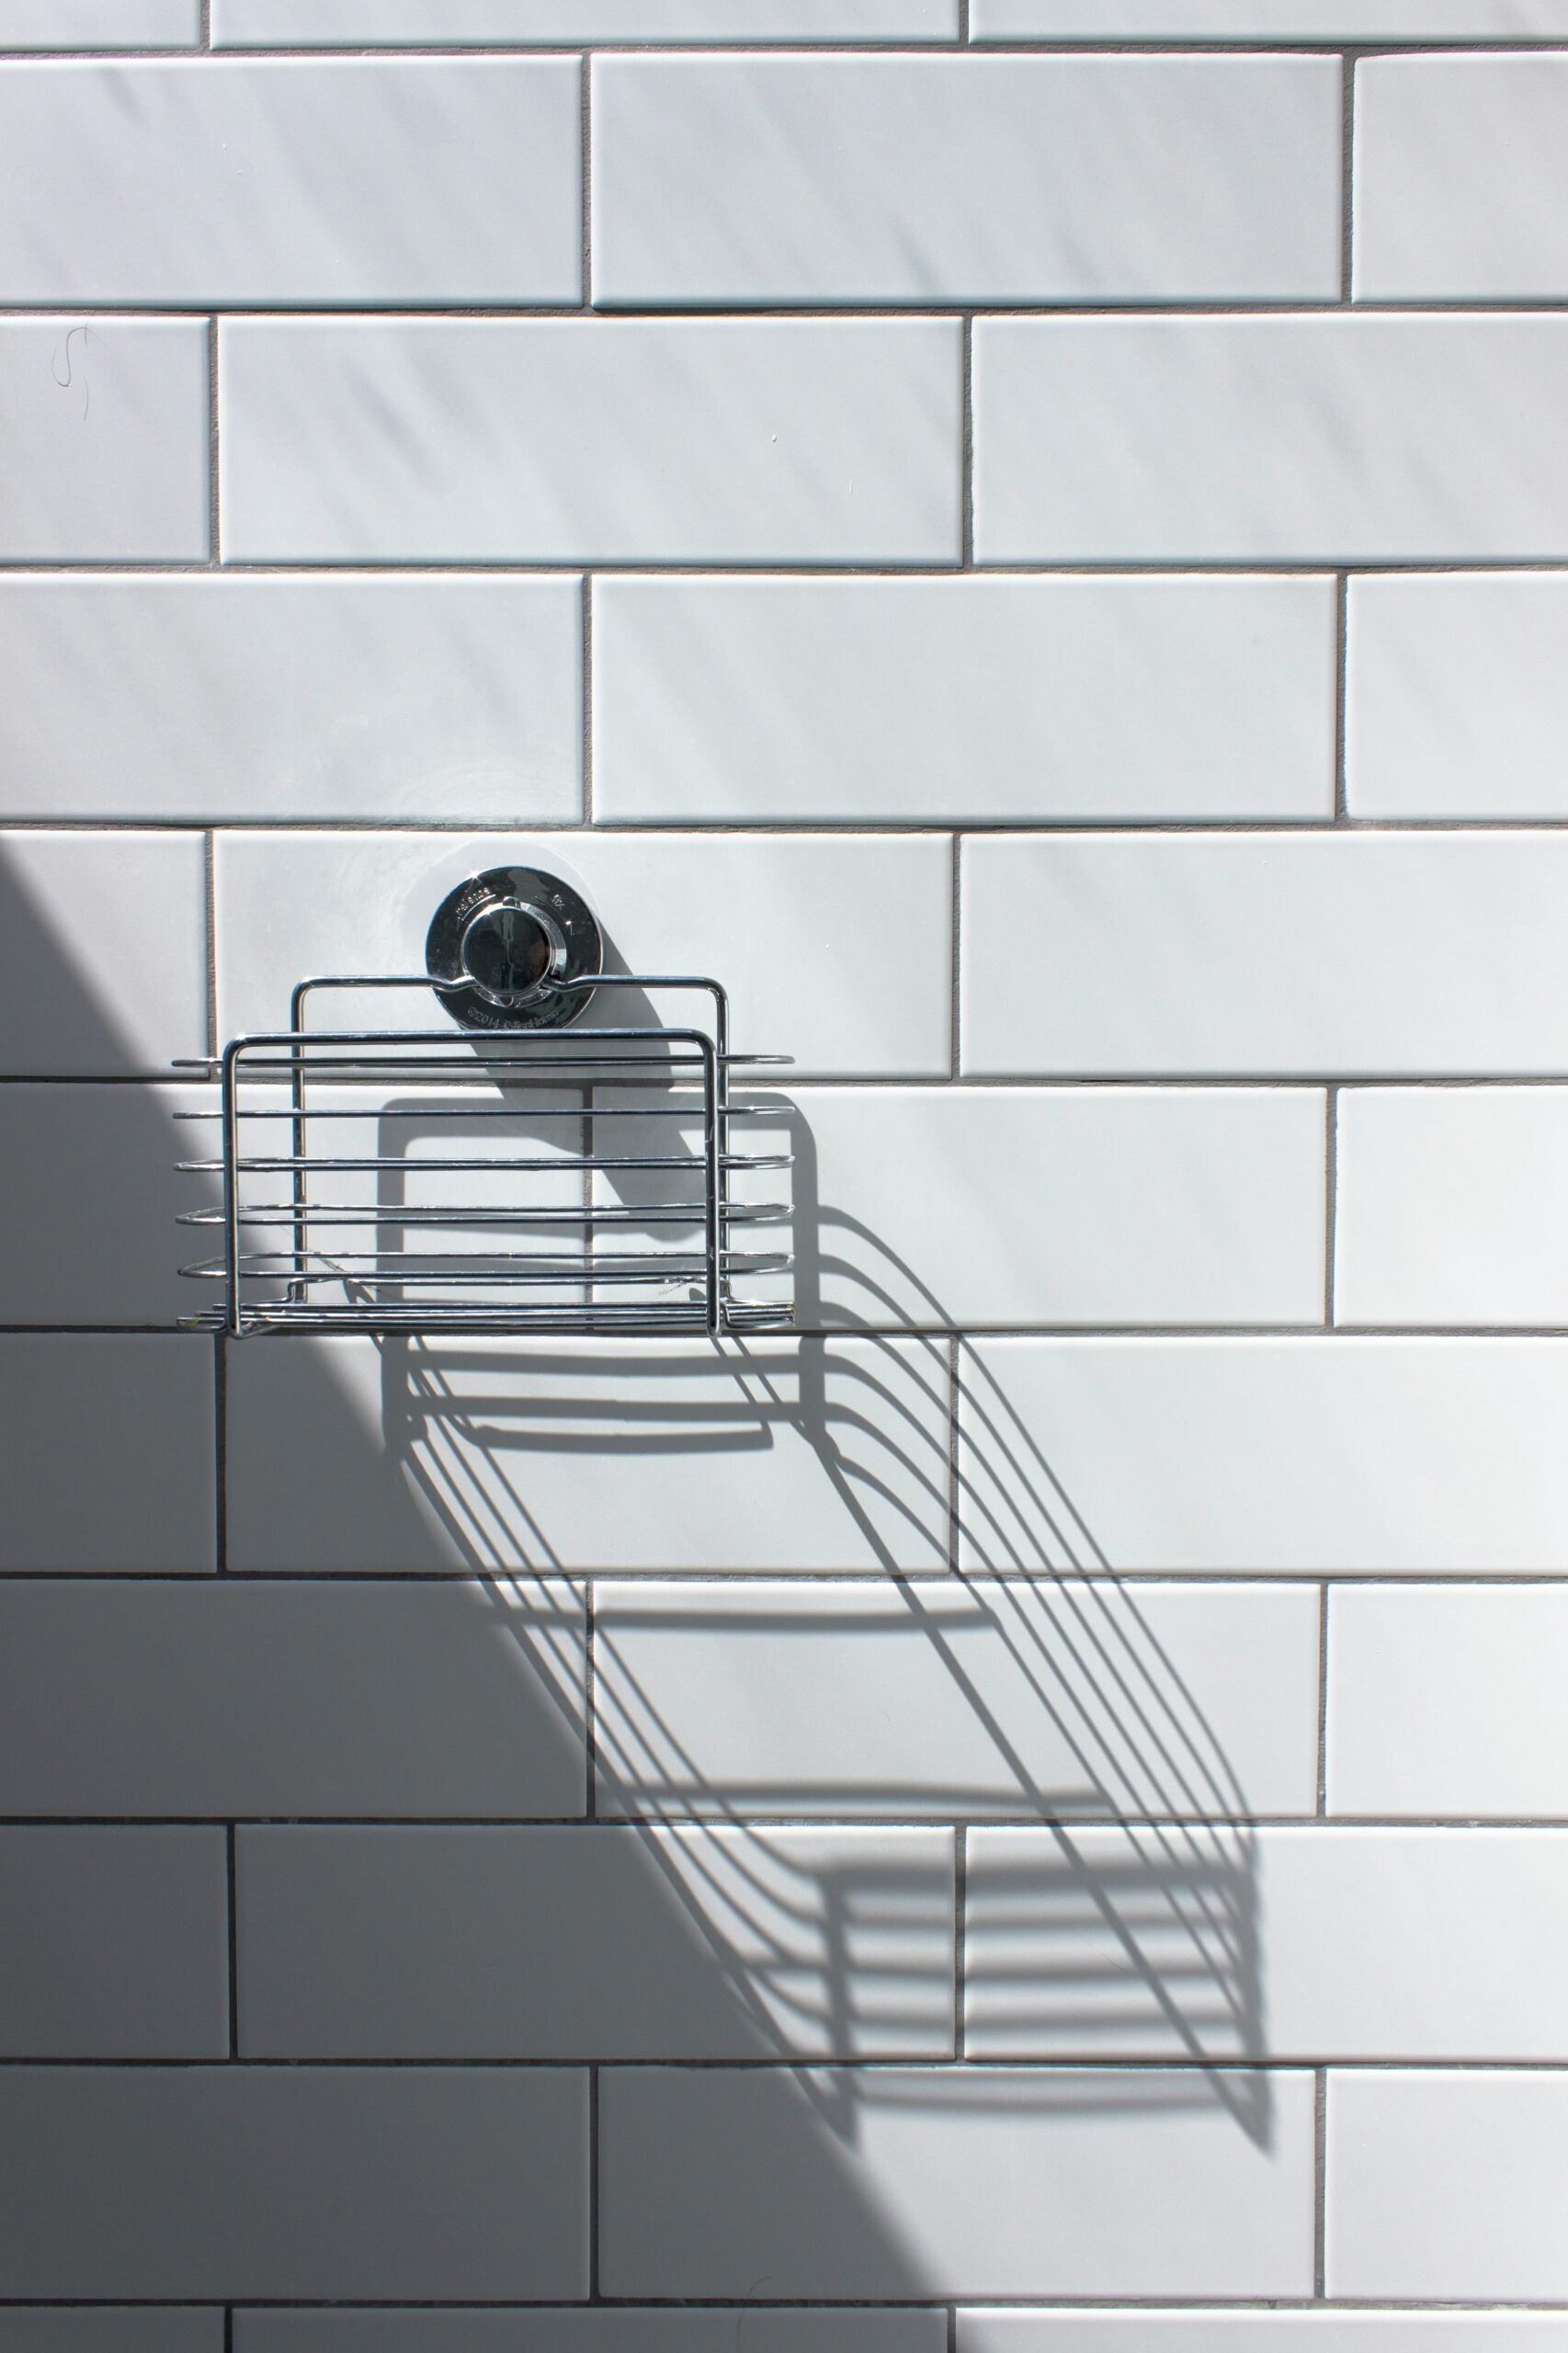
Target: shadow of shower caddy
[319, 1232]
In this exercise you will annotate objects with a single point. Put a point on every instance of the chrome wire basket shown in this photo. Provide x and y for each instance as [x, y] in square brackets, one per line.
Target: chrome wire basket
[524, 1176]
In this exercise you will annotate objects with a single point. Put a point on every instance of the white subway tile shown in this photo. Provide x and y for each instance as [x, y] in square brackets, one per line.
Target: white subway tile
[947, 179]
[99, 24]
[1451, 1206]
[1289, 1455]
[1456, 695]
[105, 425]
[108, 1455]
[585, 2329]
[87, 2328]
[595, 1943]
[1444, 1701]
[1004, 702]
[425, 2182]
[589, 1455]
[1224, 1942]
[834, 950]
[1257, 20]
[1461, 177]
[236, 1697]
[1023, 1698]
[89, 1192]
[296, 24]
[103, 953]
[1447, 2185]
[1029, 1206]
[116, 1943]
[283, 180]
[1186, 2331]
[991, 2182]
[1311, 439]
[565, 440]
[1353, 955]
[232, 699]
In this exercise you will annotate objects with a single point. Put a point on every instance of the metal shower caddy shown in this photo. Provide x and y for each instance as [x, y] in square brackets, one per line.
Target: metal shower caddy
[330, 1236]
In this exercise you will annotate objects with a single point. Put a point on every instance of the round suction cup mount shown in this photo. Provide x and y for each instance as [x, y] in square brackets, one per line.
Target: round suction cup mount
[501, 944]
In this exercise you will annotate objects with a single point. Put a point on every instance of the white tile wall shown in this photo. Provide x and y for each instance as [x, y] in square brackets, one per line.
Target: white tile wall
[108, 1457]
[105, 425]
[1451, 1206]
[1456, 701]
[1448, 2186]
[558, 1943]
[1322, 2331]
[1304, 1943]
[588, 2329]
[1461, 177]
[1315, 1455]
[930, 180]
[103, 953]
[1444, 1701]
[425, 2182]
[156, 1899]
[1026, 1699]
[485, 1828]
[99, 24]
[94, 1252]
[990, 2184]
[1050, 1205]
[1002, 701]
[1306, 440]
[299, 23]
[809, 934]
[566, 440]
[1258, 954]
[83, 2329]
[279, 181]
[357, 697]
[582, 1457]
[1258, 20]
[251, 1698]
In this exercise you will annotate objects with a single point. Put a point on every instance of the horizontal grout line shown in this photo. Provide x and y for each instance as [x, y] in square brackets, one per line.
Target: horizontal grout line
[946, 2070]
[745, 1826]
[739, 568]
[1488, 2307]
[946, 46]
[823, 830]
[731, 307]
[1067, 1578]
[540, 1341]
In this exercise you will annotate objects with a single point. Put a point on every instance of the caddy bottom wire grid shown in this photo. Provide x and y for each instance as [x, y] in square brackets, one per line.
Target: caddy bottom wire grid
[515, 1180]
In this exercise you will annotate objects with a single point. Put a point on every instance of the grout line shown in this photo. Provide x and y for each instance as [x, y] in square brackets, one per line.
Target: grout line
[966, 446]
[955, 976]
[590, 1703]
[702, 1827]
[1320, 2181]
[233, 1942]
[219, 1454]
[1321, 1807]
[1347, 177]
[961, 1937]
[587, 725]
[955, 1345]
[1330, 1203]
[204, 35]
[594, 2296]
[1341, 697]
[209, 887]
[227, 2328]
[214, 508]
[585, 166]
